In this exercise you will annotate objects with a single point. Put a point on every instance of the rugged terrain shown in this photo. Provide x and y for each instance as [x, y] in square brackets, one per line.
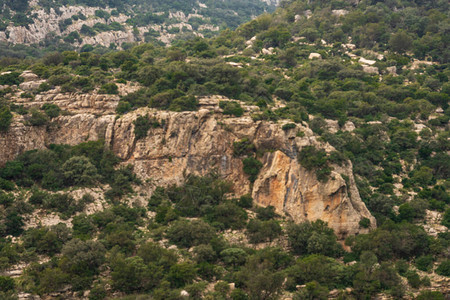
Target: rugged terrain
[111, 26]
[195, 143]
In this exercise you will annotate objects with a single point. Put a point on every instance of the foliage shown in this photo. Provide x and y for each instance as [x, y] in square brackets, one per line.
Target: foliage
[141, 126]
[252, 166]
[312, 238]
[187, 234]
[5, 118]
[313, 159]
[231, 108]
[444, 268]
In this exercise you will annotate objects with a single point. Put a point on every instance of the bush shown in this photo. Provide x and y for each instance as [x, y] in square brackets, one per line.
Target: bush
[12, 78]
[198, 194]
[288, 126]
[263, 231]
[430, 295]
[231, 108]
[444, 268]
[79, 171]
[5, 118]
[413, 279]
[141, 126]
[243, 147]
[6, 284]
[227, 215]
[313, 238]
[402, 267]
[181, 274]
[364, 223]
[313, 159]
[37, 118]
[245, 201]
[424, 263]
[52, 110]
[109, 88]
[187, 234]
[252, 166]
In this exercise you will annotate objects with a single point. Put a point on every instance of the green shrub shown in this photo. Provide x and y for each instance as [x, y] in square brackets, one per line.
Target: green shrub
[181, 274]
[313, 238]
[141, 126]
[252, 166]
[424, 263]
[446, 218]
[38, 197]
[288, 126]
[364, 223]
[245, 201]
[52, 110]
[5, 118]
[231, 108]
[265, 213]
[37, 118]
[227, 215]
[313, 159]
[444, 268]
[109, 88]
[402, 266]
[6, 284]
[79, 171]
[190, 233]
[430, 295]
[413, 279]
[12, 78]
[243, 147]
[263, 231]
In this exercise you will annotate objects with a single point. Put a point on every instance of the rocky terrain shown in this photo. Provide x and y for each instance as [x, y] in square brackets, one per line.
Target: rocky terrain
[195, 143]
[68, 22]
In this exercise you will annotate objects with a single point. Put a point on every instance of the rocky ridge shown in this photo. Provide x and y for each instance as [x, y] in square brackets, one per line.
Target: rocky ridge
[196, 143]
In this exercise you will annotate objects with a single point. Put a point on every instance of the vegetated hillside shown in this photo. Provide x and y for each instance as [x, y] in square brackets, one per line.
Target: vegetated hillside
[83, 24]
[369, 79]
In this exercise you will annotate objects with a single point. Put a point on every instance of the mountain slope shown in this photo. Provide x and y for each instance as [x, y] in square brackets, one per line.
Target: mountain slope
[204, 168]
[113, 23]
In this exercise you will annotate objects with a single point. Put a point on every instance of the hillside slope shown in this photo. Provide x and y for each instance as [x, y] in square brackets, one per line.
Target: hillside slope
[234, 167]
[95, 23]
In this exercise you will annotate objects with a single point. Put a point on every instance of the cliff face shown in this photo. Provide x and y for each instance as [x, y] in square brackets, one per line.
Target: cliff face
[196, 143]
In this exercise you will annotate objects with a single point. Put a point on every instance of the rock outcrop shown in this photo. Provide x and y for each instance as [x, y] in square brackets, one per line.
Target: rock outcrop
[197, 143]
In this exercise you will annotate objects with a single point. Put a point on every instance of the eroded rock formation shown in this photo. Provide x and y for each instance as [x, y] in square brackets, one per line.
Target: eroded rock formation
[196, 143]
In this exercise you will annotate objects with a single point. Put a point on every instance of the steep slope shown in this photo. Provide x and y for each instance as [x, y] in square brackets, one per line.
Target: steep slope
[198, 142]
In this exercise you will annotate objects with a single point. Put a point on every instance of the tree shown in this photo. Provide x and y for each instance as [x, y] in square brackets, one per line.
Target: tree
[400, 42]
[260, 279]
[133, 275]
[190, 233]
[313, 238]
[181, 274]
[252, 166]
[5, 118]
[444, 268]
[312, 290]
[79, 171]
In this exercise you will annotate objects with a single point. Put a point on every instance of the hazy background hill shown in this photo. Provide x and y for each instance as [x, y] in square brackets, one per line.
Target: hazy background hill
[74, 24]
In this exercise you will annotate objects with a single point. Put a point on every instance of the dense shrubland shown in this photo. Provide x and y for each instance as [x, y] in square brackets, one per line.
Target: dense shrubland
[401, 168]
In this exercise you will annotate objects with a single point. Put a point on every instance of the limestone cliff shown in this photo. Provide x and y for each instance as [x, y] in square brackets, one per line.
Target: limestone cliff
[196, 143]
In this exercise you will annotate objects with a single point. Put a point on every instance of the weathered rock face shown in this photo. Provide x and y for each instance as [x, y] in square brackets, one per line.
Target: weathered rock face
[198, 142]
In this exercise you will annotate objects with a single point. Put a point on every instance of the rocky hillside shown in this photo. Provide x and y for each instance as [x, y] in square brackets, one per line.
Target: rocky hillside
[195, 143]
[304, 155]
[44, 23]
